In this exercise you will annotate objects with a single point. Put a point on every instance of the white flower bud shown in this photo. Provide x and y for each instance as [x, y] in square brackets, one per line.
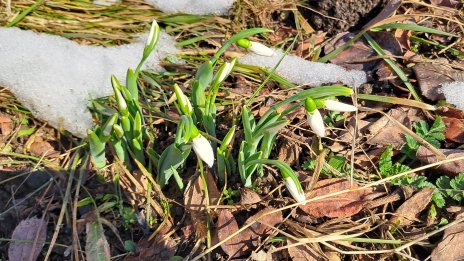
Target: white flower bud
[203, 149]
[338, 106]
[316, 123]
[299, 196]
[261, 49]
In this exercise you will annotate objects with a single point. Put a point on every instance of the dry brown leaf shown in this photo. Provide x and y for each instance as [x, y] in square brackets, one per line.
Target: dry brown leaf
[289, 152]
[6, 126]
[357, 51]
[431, 76]
[386, 12]
[43, 149]
[454, 129]
[28, 239]
[451, 112]
[248, 197]
[450, 248]
[303, 252]
[262, 226]
[343, 205]
[455, 167]
[385, 132]
[161, 247]
[194, 196]
[447, 3]
[226, 226]
[407, 213]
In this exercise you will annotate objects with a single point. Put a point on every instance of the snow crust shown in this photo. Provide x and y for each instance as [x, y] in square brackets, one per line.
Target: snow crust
[196, 7]
[303, 72]
[56, 78]
[454, 93]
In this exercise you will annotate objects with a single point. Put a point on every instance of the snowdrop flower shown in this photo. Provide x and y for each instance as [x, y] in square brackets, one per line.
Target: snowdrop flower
[314, 118]
[338, 106]
[203, 149]
[297, 193]
[184, 103]
[255, 47]
[153, 36]
[225, 70]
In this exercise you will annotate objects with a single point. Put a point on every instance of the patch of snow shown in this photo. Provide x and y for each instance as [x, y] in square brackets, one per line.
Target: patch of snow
[454, 93]
[196, 7]
[55, 77]
[303, 72]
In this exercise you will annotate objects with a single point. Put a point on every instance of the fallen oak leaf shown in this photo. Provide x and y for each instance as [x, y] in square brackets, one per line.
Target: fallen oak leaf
[408, 212]
[343, 205]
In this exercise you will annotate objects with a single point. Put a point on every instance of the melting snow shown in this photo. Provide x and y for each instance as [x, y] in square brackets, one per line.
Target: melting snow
[197, 7]
[302, 72]
[55, 77]
[454, 93]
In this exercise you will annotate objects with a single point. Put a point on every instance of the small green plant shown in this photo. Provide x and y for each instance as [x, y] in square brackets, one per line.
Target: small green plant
[452, 188]
[433, 135]
[338, 162]
[387, 168]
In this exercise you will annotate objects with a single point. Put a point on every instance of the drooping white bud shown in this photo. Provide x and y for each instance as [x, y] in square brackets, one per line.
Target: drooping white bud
[203, 149]
[298, 195]
[316, 123]
[339, 106]
[261, 49]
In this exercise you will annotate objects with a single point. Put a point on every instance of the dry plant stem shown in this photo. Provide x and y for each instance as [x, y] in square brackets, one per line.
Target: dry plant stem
[208, 221]
[437, 152]
[75, 236]
[395, 196]
[66, 199]
[355, 131]
[375, 183]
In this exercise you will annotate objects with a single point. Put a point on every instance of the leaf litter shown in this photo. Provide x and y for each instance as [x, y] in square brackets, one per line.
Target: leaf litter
[330, 215]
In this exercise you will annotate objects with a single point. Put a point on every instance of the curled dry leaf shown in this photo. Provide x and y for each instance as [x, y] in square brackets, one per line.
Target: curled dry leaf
[431, 76]
[454, 129]
[303, 252]
[455, 167]
[247, 240]
[161, 247]
[356, 57]
[342, 205]
[248, 197]
[43, 149]
[450, 248]
[385, 132]
[194, 196]
[389, 9]
[28, 239]
[407, 213]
